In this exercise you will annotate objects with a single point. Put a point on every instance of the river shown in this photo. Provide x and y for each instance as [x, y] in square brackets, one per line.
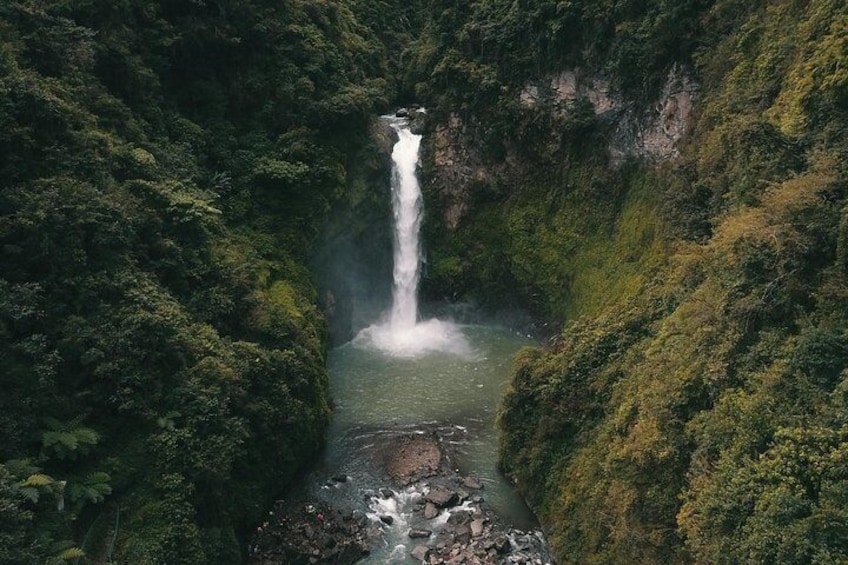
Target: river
[378, 395]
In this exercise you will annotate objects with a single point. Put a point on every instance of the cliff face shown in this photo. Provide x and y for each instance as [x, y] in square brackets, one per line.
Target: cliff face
[648, 133]
[691, 235]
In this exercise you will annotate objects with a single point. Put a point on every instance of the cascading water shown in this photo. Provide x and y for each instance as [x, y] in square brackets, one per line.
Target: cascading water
[406, 205]
[402, 379]
[401, 334]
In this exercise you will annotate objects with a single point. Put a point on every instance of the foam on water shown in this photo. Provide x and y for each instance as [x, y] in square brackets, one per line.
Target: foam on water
[401, 334]
[414, 341]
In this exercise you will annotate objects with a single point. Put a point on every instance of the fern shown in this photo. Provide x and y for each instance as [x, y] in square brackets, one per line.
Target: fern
[70, 440]
[64, 551]
[71, 553]
[38, 480]
[21, 468]
[30, 494]
[93, 489]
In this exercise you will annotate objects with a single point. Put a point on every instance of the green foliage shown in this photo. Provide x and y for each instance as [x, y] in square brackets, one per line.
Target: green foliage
[166, 169]
[569, 241]
[68, 441]
[693, 408]
[477, 55]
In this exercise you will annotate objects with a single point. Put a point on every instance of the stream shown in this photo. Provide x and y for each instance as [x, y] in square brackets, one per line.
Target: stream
[379, 395]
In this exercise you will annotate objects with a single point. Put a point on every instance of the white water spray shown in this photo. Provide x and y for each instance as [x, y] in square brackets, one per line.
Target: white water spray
[402, 335]
[406, 205]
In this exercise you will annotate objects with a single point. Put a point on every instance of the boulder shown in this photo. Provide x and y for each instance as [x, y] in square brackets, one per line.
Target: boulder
[420, 553]
[430, 511]
[462, 533]
[477, 528]
[388, 520]
[502, 544]
[460, 517]
[472, 483]
[442, 497]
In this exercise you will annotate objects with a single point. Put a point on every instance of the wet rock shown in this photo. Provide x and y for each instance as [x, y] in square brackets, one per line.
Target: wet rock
[359, 519]
[472, 483]
[309, 533]
[340, 478]
[402, 113]
[461, 533]
[373, 535]
[414, 458]
[460, 517]
[421, 553]
[442, 497]
[470, 534]
[477, 528]
[430, 511]
[501, 544]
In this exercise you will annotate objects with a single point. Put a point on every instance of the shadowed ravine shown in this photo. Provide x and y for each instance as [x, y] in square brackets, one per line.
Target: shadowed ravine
[414, 415]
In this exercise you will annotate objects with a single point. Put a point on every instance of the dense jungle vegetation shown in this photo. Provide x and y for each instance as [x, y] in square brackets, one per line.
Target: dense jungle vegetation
[170, 170]
[166, 167]
[694, 407]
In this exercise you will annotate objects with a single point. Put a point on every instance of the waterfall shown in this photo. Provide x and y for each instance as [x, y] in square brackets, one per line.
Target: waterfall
[406, 205]
[401, 334]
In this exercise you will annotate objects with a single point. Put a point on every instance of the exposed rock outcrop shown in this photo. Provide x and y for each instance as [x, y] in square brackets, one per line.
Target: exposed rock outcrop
[650, 133]
[458, 167]
[634, 131]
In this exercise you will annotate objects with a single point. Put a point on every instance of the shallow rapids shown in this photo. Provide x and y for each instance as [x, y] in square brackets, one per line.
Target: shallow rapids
[379, 396]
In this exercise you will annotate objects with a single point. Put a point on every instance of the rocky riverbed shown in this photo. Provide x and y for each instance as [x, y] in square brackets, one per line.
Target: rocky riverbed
[426, 511]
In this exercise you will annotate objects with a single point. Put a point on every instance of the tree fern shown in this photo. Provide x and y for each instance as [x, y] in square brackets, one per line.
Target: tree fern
[38, 480]
[93, 489]
[69, 440]
[64, 551]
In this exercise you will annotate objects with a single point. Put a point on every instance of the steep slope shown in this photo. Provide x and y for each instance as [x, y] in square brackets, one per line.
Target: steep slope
[693, 407]
[164, 170]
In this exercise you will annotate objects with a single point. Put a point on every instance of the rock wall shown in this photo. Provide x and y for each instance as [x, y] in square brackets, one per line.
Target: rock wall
[457, 167]
[647, 133]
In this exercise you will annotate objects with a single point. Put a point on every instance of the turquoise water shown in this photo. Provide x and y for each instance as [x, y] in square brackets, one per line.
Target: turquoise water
[378, 396]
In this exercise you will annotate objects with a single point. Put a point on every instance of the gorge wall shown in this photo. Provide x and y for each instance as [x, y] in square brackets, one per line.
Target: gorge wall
[687, 222]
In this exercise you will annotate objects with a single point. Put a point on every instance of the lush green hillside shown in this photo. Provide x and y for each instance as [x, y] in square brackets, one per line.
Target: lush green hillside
[165, 168]
[693, 408]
